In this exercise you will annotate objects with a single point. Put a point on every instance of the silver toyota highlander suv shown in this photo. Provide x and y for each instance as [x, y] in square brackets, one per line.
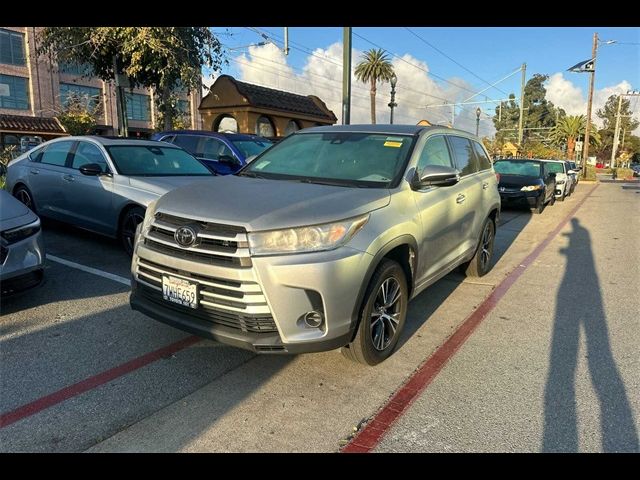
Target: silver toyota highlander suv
[321, 241]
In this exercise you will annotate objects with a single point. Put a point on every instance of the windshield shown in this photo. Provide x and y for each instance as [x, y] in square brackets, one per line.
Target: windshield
[251, 147]
[518, 167]
[147, 160]
[336, 158]
[555, 167]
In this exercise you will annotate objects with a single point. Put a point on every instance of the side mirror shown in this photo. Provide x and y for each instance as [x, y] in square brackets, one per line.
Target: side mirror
[437, 176]
[227, 159]
[91, 169]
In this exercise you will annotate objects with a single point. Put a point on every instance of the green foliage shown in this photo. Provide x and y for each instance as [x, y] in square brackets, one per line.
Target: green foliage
[373, 67]
[179, 120]
[608, 116]
[162, 58]
[591, 173]
[569, 129]
[537, 149]
[78, 116]
[6, 155]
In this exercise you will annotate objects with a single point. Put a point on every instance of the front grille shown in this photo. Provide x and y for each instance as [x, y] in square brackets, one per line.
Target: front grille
[239, 305]
[215, 244]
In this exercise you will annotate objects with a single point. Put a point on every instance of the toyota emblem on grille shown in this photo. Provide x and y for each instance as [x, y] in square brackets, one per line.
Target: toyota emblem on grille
[185, 236]
[502, 189]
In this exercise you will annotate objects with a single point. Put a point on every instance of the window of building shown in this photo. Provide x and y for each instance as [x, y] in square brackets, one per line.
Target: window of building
[9, 140]
[138, 107]
[435, 152]
[292, 126]
[88, 96]
[264, 127]
[183, 107]
[463, 151]
[14, 92]
[11, 47]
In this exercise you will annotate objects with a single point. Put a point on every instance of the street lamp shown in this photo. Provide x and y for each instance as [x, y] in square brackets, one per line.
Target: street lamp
[392, 103]
[478, 112]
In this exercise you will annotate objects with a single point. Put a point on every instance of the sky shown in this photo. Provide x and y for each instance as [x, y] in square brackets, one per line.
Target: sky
[437, 65]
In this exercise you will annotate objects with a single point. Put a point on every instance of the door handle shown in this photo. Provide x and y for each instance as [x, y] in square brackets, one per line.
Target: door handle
[485, 185]
[461, 198]
[34, 171]
[68, 178]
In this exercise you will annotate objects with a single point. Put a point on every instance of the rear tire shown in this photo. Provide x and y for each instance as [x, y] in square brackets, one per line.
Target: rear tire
[382, 315]
[480, 264]
[128, 225]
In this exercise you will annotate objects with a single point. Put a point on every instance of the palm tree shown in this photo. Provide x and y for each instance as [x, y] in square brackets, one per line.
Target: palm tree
[374, 66]
[569, 128]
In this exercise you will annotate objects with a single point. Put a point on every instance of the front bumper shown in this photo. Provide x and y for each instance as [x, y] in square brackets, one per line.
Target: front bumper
[520, 198]
[23, 265]
[289, 285]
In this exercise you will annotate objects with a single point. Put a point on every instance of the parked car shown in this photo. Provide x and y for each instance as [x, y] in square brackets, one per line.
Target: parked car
[22, 253]
[98, 183]
[576, 168]
[525, 183]
[319, 242]
[564, 177]
[224, 153]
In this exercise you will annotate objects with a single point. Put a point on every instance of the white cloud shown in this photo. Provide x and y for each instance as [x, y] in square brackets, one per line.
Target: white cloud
[321, 75]
[564, 93]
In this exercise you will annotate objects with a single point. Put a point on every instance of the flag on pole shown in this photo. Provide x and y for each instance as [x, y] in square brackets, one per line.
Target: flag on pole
[585, 66]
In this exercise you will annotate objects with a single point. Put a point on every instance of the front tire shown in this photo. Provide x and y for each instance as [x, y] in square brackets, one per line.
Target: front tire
[128, 225]
[23, 194]
[480, 264]
[382, 315]
[539, 208]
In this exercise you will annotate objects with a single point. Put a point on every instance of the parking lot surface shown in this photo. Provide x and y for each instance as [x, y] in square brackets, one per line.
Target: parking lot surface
[80, 371]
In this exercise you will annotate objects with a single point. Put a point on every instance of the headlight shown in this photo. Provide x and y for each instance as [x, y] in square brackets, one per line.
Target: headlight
[306, 239]
[560, 182]
[531, 188]
[17, 234]
[148, 217]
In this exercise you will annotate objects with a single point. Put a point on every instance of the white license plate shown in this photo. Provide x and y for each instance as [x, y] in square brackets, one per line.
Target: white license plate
[180, 291]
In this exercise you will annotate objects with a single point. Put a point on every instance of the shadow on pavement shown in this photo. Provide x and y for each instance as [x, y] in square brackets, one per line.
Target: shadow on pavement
[573, 315]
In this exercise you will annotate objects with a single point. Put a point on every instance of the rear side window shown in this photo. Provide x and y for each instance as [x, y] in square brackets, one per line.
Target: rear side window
[435, 152]
[483, 160]
[188, 142]
[463, 152]
[56, 154]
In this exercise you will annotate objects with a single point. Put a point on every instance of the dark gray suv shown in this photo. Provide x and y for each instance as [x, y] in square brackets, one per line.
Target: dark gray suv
[321, 241]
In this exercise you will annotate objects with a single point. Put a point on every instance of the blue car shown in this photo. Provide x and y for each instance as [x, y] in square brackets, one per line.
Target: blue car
[224, 153]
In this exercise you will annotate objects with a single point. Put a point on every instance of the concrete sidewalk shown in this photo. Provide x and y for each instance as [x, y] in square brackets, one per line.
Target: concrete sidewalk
[556, 365]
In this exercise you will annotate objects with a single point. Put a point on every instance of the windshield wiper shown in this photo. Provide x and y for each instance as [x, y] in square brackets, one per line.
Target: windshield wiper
[249, 174]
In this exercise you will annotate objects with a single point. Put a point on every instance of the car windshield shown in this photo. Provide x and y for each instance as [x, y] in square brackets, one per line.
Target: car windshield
[555, 167]
[252, 147]
[338, 158]
[147, 160]
[518, 167]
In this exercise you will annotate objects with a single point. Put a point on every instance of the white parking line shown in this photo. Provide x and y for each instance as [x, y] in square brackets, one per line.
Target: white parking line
[95, 271]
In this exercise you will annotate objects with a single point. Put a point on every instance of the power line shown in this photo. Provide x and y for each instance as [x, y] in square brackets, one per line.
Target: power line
[454, 61]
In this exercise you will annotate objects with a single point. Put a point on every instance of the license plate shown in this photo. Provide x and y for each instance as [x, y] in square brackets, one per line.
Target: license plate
[180, 291]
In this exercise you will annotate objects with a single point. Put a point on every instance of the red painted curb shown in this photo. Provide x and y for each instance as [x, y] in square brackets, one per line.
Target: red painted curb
[373, 432]
[90, 383]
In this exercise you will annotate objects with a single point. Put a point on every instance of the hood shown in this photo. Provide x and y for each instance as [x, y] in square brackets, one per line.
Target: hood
[161, 185]
[13, 213]
[260, 204]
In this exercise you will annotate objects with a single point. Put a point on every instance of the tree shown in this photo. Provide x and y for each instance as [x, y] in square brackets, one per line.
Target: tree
[608, 116]
[374, 66]
[161, 58]
[569, 128]
[78, 114]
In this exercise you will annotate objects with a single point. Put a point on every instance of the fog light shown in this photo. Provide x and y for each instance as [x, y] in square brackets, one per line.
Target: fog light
[313, 319]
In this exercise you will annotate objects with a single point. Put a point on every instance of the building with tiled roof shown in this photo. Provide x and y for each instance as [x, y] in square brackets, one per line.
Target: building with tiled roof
[232, 105]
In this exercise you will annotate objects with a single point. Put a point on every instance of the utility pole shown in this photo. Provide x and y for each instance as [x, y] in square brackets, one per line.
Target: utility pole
[286, 40]
[585, 155]
[524, 74]
[453, 114]
[346, 75]
[616, 133]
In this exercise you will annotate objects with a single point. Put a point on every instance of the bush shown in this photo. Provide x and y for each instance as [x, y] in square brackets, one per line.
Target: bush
[624, 173]
[591, 173]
